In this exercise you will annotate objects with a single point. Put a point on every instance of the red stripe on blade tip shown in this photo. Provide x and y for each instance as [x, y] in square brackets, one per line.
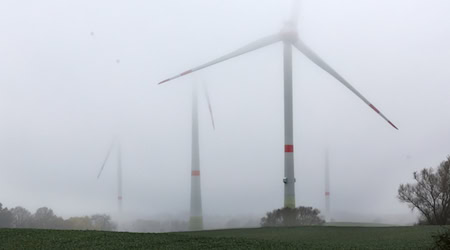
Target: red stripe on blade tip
[195, 172]
[375, 109]
[392, 124]
[164, 81]
[288, 148]
[186, 72]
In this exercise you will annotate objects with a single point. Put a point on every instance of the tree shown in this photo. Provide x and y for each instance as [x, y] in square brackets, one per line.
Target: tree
[6, 217]
[22, 218]
[79, 223]
[102, 222]
[430, 194]
[285, 217]
[45, 218]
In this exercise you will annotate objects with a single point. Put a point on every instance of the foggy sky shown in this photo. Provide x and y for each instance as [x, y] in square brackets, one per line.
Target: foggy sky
[73, 74]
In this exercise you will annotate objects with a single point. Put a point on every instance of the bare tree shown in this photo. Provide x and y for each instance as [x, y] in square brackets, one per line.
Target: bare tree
[430, 194]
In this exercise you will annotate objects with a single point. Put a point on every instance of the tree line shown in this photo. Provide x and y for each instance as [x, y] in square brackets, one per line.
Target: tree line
[45, 218]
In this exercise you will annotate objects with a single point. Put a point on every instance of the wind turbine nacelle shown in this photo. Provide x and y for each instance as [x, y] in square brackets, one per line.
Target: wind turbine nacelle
[289, 31]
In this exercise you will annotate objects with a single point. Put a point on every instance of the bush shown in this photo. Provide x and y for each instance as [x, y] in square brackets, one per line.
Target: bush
[442, 240]
[285, 217]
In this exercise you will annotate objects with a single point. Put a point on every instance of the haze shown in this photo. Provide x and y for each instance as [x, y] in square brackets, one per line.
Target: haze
[73, 74]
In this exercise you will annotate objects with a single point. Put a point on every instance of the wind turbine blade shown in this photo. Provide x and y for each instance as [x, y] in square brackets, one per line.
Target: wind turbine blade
[248, 48]
[294, 12]
[322, 64]
[209, 106]
[106, 159]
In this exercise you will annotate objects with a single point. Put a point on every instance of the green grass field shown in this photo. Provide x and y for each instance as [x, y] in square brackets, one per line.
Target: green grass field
[319, 237]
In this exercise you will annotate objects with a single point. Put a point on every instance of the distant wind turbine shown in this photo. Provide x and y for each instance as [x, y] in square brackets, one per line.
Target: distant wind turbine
[289, 37]
[119, 172]
[196, 214]
[327, 187]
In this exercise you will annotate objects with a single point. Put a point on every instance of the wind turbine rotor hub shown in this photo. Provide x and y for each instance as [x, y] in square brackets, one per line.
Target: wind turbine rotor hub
[289, 32]
[289, 35]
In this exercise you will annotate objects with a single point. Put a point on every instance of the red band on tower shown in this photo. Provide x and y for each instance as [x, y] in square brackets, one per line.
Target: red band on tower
[327, 193]
[288, 148]
[195, 172]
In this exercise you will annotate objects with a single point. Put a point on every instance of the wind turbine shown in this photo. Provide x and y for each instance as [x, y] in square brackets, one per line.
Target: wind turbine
[196, 214]
[289, 37]
[119, 172]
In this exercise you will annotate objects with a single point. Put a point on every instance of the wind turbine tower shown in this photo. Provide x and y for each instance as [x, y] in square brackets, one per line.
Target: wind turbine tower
[119, 178]
[119, 174]
[327, 187]
[196, 214]
[196, 218]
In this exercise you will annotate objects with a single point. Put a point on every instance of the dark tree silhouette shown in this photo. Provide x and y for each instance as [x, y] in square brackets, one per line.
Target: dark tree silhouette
[285, 217]
[430, 194]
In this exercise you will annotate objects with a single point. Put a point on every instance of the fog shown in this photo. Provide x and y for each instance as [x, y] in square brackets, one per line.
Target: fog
[74, 74]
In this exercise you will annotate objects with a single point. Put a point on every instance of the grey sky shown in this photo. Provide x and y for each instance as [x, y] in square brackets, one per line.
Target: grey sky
[75, 73]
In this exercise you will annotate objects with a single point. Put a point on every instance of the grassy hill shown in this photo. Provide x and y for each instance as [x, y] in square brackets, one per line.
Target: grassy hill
[260, 238]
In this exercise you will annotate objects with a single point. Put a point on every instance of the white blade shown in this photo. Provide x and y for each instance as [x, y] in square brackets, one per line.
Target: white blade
[209, 106]
[294, 12]
[250, 47]
[321, 63]
[106, 159]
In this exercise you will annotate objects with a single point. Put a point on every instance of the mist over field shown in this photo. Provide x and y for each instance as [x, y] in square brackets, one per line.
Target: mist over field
[76, 75]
